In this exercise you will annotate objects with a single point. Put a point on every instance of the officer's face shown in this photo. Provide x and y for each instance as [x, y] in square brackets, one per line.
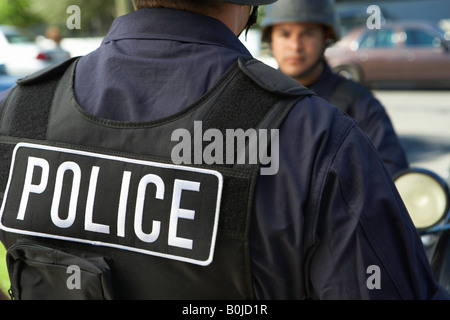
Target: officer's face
[297, 46]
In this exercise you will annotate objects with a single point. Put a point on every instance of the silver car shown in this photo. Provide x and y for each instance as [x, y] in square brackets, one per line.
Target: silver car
[22, 56]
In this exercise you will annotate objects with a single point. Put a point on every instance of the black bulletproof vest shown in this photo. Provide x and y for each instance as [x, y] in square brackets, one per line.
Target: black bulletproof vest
[96, 209]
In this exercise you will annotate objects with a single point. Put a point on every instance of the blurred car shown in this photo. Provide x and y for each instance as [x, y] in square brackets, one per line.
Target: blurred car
[401, 52]
[353, 17]
[21, 55]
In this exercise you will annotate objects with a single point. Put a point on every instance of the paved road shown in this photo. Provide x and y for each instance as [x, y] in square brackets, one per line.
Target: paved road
[422, 121]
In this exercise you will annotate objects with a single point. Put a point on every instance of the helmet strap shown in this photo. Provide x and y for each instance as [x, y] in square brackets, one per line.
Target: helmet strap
[305, 73]
[251, 20]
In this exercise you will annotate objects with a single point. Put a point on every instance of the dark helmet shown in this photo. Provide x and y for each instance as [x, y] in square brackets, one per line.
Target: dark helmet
[317, 11]
[250, 2]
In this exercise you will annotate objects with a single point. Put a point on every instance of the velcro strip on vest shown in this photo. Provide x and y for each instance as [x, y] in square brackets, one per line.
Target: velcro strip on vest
[236, 109]
[28, 119]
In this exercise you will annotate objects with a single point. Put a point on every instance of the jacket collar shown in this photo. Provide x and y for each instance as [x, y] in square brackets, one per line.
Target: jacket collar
[170, 24]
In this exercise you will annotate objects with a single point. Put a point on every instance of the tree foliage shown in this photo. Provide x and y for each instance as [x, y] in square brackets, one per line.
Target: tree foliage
[96, 16]
[18, 13]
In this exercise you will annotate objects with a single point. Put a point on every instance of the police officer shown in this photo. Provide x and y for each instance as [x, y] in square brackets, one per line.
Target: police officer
[96, 207]
[299, 31]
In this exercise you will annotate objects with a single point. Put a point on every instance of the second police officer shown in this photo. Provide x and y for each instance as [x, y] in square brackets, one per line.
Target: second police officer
[299, 32]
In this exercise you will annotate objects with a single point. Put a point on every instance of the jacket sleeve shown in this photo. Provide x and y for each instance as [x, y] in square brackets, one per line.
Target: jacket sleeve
[367, 246]
[373, 119]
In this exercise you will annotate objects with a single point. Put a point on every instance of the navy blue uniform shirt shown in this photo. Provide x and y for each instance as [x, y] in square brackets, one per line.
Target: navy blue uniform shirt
[370, 116]
[330, 212]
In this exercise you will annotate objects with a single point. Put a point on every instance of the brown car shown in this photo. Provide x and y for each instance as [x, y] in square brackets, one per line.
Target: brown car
[414, 53]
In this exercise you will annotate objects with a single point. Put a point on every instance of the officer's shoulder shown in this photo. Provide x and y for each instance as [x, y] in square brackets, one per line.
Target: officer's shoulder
[46, 73]
[353, 87]
[271, 79]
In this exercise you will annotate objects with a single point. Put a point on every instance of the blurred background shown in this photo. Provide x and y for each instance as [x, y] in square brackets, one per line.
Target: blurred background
[410, 50]
[406, 61]
[35, 33]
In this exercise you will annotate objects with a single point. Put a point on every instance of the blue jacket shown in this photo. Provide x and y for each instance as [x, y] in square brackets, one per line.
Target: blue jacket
[369, 114]
[328, 215]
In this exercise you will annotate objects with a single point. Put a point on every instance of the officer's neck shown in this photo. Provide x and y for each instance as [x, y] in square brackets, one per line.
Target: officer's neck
[233, 16]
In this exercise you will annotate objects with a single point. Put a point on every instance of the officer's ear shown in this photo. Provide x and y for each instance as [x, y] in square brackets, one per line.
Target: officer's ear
[328, 36]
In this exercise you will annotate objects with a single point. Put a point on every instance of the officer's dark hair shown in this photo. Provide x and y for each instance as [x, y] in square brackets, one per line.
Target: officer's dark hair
[177, 4]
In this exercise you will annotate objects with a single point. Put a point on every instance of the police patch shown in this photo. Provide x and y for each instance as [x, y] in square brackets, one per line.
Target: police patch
[165, 210]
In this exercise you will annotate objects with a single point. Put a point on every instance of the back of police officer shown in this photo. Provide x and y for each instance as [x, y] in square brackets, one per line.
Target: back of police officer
[91, 188]
[299, 32]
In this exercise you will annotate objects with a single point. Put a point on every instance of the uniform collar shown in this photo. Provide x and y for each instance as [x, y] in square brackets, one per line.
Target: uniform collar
[170, 24]
[326, 82]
